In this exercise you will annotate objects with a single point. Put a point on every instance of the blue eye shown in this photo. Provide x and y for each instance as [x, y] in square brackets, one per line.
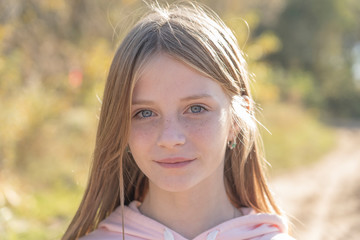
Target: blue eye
[196, 109]
[144, 114]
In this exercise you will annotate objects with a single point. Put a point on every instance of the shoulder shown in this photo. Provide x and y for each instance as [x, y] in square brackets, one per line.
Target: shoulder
[281, 236]
[276, 236]
[262, 226]
[103, 234]
[100, 234]
[136, 225]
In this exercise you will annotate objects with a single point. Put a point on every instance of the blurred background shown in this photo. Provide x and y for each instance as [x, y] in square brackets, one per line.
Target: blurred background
[303, 55]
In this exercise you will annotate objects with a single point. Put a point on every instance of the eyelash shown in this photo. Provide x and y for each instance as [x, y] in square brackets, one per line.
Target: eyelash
[142, 111]
[201, 109]
[137, 115]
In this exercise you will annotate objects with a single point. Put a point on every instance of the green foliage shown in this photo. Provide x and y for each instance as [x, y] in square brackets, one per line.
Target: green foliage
[317, 38]
[42, 213]
[296, 138]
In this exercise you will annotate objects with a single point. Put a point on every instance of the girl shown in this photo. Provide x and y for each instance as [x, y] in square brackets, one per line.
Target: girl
[176, 155]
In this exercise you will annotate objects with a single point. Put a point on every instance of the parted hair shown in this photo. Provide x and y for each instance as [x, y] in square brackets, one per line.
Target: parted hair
[196, 36]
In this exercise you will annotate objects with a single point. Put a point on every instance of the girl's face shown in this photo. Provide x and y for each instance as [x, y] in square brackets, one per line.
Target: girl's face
[180, 125]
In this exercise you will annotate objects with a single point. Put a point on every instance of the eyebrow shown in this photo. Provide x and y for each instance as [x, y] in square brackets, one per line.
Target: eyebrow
[189, 98]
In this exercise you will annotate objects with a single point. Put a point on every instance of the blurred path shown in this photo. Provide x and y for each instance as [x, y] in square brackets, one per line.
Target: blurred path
[325, 198]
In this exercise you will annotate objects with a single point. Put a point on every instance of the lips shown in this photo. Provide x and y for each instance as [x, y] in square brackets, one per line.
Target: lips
[176, 162]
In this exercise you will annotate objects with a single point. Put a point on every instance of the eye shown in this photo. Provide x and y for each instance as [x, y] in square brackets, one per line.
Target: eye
[144, 114]
[196, 109]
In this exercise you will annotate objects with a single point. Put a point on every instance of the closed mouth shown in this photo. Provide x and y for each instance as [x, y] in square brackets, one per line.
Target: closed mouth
[174, 162]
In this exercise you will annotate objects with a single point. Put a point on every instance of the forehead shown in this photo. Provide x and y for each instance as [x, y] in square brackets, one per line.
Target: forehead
[167, 77]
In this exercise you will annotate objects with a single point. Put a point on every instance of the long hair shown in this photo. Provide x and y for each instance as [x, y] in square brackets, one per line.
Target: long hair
[197, 37]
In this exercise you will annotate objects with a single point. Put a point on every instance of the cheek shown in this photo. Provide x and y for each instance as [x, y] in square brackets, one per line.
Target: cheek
[210, 131]
[141, 135]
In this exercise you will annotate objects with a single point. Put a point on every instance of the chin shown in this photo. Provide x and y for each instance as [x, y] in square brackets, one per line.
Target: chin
[175, 184]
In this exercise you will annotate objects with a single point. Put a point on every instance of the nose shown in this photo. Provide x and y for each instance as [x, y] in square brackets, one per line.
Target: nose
[171, 134]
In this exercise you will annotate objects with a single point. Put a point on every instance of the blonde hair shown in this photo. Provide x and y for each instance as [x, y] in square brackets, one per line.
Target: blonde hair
[196, 36]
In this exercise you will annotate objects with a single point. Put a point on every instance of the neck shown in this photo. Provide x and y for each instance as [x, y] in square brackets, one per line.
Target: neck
[191, 212]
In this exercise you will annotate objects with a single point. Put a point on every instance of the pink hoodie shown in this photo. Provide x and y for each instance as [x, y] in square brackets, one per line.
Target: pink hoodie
[252, 226]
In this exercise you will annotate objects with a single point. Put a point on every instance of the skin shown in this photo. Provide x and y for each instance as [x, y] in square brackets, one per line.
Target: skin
[180, 127]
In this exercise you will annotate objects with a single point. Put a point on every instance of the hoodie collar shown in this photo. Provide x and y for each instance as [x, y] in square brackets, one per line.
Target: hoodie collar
[251, 225]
